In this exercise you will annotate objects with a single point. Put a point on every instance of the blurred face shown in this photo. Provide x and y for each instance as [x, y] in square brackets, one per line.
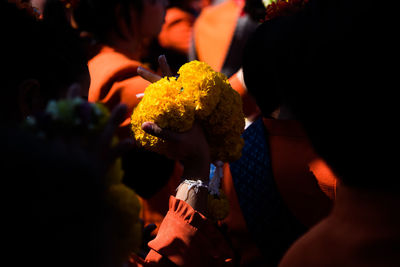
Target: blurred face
[39, 4]
[195, 5]
[152, 18]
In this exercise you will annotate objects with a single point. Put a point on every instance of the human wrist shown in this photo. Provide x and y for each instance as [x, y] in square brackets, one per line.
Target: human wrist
[195, 193]
[198, 168]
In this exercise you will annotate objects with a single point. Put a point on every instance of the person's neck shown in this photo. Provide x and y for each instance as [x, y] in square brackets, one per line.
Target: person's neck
[128, 47]
[367, 207]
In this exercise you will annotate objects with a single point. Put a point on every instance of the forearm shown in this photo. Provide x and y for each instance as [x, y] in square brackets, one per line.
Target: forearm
[197, 168]
[195, 194]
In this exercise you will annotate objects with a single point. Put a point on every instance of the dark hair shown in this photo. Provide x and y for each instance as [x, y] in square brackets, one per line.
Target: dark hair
[332, 52]
[45, 50]
[260, 70]
[66, 47]
[99, 17]
[266, 59]
[255, 9]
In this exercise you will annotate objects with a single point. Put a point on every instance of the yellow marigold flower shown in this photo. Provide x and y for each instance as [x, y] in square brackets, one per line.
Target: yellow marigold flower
[203, 83]
[228, 114]
[199, 93]
[124, 206]
[226, 149]
[218, 206]
[115, 173]
[225, 125]
[163, 104]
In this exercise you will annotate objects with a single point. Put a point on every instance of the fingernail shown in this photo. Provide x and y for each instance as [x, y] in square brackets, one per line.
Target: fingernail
[163, 57]
[148, 126]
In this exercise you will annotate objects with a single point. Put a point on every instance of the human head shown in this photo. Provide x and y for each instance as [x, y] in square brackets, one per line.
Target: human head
[38, 4]
[194, 6]
[267, 55]
[322, 60]
[351, 127]
[42, 59]
[255, 9]
[128, 19]
[264, 60]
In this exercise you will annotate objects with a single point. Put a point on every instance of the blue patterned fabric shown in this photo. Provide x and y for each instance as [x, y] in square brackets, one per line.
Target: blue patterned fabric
[212, 170]
[268, 219]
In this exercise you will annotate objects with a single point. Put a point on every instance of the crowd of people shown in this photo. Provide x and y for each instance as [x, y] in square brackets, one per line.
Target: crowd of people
[315, 184]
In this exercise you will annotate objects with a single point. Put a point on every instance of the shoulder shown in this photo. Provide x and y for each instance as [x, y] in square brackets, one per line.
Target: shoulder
[112, 60]
[315, 248]
[109, 66]
[216, 11]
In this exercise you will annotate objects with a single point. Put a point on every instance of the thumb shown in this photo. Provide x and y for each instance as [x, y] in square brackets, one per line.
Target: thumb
[74, 91]
[154, 129]
[116, 118]
[165, 69]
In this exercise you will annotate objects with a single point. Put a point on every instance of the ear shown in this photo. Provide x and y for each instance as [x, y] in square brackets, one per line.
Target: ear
[127, 21]
[29, 98]
[121, 27]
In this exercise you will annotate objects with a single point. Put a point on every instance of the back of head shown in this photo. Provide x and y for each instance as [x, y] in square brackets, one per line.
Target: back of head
[332, 69]
[100, 17]
[345, 91]
[261, 69]
[269, 55]
[40, 50]
[255, 9]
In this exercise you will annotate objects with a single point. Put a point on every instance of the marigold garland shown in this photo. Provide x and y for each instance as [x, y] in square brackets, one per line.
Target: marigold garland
[163, 104]
[125, 207]
[199, 93]
[218, 206]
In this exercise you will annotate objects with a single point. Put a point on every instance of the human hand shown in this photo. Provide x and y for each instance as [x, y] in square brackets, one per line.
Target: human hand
[152, 77]
[102, 147]
[190, 148]
[105, 147]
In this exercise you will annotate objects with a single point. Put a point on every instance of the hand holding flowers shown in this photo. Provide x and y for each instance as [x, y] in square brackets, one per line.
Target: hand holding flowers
[89, 129]
[195, 118]
[198, 94]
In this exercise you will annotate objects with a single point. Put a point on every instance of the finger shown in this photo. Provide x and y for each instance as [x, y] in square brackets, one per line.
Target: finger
[74, 91]
[116, 118]
[121, 148]
[165, 69]
[154, 129]
[148, 75]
